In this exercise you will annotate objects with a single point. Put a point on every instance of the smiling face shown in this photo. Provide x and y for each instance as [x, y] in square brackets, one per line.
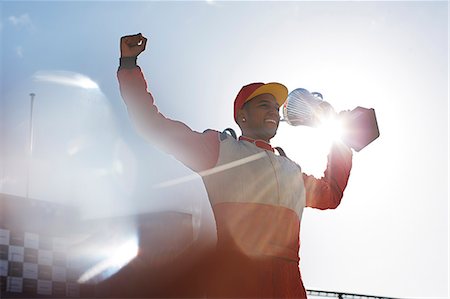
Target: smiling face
[262, 117]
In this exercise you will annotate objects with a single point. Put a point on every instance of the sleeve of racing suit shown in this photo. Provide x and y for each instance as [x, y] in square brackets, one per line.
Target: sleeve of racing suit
[327, 192]
[198, 151]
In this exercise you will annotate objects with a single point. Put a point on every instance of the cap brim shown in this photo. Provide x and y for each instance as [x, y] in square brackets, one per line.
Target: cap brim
[279, 91]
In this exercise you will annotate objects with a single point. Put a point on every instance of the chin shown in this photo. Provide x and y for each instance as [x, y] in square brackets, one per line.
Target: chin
[271, 134]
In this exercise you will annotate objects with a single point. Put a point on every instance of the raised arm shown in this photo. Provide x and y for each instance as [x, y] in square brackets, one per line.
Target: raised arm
[327, 192]
[198, 151]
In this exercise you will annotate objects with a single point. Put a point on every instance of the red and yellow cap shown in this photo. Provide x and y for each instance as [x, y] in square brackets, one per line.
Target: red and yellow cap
[248, 92]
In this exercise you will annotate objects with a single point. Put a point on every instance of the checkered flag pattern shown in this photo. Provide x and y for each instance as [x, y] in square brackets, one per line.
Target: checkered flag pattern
[36, 265]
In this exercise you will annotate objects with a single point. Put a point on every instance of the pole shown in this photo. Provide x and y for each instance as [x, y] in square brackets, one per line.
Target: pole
[30, 153]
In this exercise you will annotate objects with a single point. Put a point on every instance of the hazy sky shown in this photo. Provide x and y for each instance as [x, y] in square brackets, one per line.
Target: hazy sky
[390, 234]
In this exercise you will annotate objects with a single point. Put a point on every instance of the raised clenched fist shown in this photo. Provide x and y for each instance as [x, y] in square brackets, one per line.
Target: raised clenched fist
[132, 45]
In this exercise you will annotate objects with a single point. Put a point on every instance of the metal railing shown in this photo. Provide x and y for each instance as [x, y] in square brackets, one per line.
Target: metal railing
[340, 295]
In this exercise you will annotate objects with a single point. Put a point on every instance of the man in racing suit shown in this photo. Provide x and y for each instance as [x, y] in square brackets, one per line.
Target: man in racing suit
[257, 197]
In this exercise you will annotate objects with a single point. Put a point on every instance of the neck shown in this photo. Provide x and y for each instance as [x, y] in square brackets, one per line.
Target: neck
[253, 136]
[251, 139]
[258, 142]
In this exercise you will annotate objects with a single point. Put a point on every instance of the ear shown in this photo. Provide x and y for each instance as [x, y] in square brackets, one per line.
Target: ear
[241, 115]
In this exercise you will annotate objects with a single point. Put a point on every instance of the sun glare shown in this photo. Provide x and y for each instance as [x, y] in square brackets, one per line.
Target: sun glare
[65, 78]
[331, 129]
[118, 257]
[309, 146]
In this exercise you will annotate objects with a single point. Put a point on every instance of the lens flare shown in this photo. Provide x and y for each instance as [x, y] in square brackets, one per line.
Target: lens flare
[118, 257]
[331, 127]
[65, 78]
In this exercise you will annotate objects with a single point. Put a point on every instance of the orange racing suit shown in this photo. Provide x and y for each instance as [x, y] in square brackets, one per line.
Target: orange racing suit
[257, 197]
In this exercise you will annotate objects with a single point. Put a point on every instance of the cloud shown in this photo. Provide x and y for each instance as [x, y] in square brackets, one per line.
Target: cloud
[19, 51]
[23, 20]
[65, 78]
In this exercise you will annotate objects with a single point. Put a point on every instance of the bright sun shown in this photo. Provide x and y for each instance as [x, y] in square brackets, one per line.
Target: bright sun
[309, 146]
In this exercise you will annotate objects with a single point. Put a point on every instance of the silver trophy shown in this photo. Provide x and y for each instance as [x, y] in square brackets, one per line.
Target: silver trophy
[304, 108]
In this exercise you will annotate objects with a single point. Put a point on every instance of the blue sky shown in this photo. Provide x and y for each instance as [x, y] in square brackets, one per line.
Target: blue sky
[390, 234]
